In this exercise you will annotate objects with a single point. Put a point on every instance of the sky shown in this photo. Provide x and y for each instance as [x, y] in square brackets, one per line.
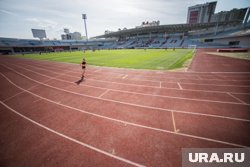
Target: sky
[17, 17]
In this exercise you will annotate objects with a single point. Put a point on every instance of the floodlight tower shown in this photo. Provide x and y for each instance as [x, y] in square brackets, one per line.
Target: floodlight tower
[84, 17]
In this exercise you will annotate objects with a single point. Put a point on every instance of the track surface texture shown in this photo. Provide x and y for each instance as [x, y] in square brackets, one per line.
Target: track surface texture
[120, 117]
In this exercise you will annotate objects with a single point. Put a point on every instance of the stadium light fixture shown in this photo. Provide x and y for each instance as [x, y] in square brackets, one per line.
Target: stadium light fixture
[84, 17]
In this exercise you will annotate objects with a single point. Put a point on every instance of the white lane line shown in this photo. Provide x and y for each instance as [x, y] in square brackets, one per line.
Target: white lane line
[125, 122]
[151, 80]
[236, 98]
[230, 72]
[179, 86]
[132, 104]
[174, 123]
[97, 70]
[117, 90]
[13, 96]
[104, 81]
[118, 75]
[9, 98]
[37, 100]
[74, 71]
[72, 139]
[103, 93]
[71, 65]
[86, 84]
[125, 76]
[62, 65]
[199, 77]
[51, 78]
[216, 91]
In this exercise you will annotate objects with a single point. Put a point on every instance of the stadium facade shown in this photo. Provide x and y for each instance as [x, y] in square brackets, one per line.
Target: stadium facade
[201, 13]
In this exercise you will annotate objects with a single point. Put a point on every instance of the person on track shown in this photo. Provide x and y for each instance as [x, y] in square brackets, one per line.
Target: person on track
[83, 65]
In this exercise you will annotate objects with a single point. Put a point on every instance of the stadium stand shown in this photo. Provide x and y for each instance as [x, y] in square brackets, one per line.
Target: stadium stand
[203, 35]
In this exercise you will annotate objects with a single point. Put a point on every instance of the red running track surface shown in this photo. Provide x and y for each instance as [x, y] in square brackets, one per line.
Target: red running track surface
[120, 117]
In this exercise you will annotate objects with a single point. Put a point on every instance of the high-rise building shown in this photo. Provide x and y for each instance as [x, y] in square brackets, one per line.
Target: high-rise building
[201, 13]
[232, 15]
[71, 36]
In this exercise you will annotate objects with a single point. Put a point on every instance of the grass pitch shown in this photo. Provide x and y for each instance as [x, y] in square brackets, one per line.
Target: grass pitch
[159, 59]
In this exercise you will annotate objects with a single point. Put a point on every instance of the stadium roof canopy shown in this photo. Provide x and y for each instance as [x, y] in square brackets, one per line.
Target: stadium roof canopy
[171, 28]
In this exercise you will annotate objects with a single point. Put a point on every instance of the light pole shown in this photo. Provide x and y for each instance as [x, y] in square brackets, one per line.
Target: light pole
[84, 17]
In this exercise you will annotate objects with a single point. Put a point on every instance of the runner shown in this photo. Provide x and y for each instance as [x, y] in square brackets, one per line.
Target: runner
[83, 64]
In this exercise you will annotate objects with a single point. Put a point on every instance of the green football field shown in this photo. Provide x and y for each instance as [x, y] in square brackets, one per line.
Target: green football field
[160, 59]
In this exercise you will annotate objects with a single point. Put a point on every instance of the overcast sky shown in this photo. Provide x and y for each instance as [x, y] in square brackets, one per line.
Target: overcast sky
[17, 17]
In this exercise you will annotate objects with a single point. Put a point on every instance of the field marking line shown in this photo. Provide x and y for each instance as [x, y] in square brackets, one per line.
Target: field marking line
[236, 98]
[96, 70]
[46, 81]
[106, 91]
[71, 65]
[199, 77]
[125, 76]
[117, 90]
[55, 78]
[72, 139]
[174, 123]
[9, 98]
[156, 81]
[37, 100]
[215, 85]
[179, 86]
[209, 91]
[125, 122]
[102, 80]
[230, 72]
[137, 105]
[76, 71]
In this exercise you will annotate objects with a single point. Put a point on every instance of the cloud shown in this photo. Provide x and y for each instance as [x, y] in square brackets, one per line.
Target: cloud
[7, 12]
[42, 23]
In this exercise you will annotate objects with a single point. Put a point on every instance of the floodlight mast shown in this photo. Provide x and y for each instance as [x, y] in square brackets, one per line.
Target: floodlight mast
[84, 17]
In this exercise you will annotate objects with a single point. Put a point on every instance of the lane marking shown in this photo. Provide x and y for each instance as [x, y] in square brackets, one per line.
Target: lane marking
[11, 97]
[174, 123]
[125, 76]
[155, 80]
[70, 65]
[184, 98]
[76, 72]
[147, 86]
[37, 100]
[51, 78]
[106, 91]
[179, 85]
[236, 98]
[137, 105]
[72, 139]
[128, 123]
[199, 77]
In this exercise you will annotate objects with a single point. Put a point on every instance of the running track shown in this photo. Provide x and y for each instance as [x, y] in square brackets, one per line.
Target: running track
[120, 117]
